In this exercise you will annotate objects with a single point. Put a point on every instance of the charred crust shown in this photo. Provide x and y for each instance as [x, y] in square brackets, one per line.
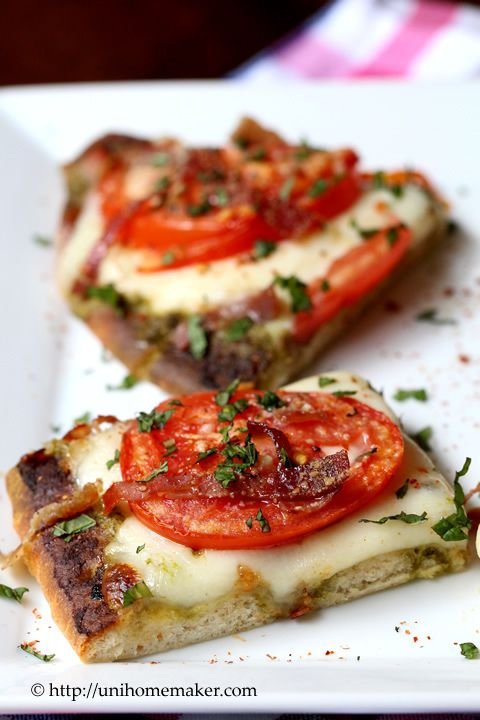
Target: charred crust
[45, 480]
[78, 570]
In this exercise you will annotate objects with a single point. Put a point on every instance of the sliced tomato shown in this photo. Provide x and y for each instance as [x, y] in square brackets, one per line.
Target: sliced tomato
[185, 240]
[351, 276]
[293, 475]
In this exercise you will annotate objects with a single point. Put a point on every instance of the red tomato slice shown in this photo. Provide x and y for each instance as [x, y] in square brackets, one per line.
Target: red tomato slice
[271, 499]
[190, 240]
[352, 276]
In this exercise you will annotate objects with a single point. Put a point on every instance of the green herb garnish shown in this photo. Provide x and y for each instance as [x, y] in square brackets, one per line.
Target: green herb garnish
[221, 197]
[420, 394]
[106, 294]
[365, 233]
[286, 189]
[469, 650]
[409, 518]
[323, 381]
[262, 520]
[206, 453]
[402, 490]
[223, 396]
[42, 240]
[170, 446]
[423, 437]
[29, 649]
[197, 337]
[140, 548]
[82, 419]
[137, 592]
[238, 328]
[68, 528]
[162, 184]
[114, 460]
[199, 209]
[344, 393]
[160, 159]
[246, 454]
[163, 468]
[229, 411]
[318, 188]
[12, 593]
[153, 420]
[300, 299]
[453, 527]
[128, 382]
[168, 257]
[270, 400]
[258, 154]
[263, 248]
[431, 315]
[325, 285]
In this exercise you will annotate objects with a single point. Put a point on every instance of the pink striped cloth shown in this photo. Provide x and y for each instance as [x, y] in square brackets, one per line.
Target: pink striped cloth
[423, 39]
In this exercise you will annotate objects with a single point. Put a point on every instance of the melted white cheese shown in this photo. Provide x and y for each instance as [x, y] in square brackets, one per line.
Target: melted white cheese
[202, 287]
[176, 575]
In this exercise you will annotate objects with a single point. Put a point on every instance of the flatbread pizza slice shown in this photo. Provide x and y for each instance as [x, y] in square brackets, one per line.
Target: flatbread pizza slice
[196, 266]
[218, 512]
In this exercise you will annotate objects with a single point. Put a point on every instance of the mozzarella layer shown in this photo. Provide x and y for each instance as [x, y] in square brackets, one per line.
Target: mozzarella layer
[178, 576]
[201, 288]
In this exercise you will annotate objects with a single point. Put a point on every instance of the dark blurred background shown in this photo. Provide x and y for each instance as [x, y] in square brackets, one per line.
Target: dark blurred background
[73, 40]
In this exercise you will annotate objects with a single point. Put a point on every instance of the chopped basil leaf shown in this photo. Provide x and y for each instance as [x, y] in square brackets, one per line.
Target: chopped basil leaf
[249, 522]
[160, 159]
[265, 527]
[297, 290]
[162, 184]
[176, 402]
[392, 235]
[469, 650]
[323, 381]
[286, 189]
[263, 248]
[402, 490]
[258, 154]
[325, 285]
[241, 142]
[128, 382]
[270, 400]
[223, 396]
[197, 337]
[138, 591]
[224, 432]
[380, 183]
[247, 454]
[12, 593]
[211, 175]
[29, 649]
[163, 468]
[140, 548]
[238, 328]
[224, 474]
[199, 209]
[154, 420]
[42, 240]
[82, 419]
[344, 393]
[409, 518]
[365, 233]
[170, 446]
[168, 258]
[318, 188]
[229, 411]
[68, 528]
[114, 460]
[431, 316]
[453, 527]
[284, 457]
[423, 437]
[221, 197]
[106, 294]
[206, 453]
[420, 394]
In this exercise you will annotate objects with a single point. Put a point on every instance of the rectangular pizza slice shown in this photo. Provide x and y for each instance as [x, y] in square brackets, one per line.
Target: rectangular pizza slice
[219, 512]
[195, 266]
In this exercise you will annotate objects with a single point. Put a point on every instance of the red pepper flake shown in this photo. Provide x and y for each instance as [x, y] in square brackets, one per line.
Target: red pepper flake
[449, 291]
[407, 632]
[330, 652]
[428, 637]
[271, 657]
[464, 358]
[415, 638]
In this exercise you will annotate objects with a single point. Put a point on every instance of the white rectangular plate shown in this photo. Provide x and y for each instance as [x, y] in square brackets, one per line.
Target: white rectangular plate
[395, 651]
